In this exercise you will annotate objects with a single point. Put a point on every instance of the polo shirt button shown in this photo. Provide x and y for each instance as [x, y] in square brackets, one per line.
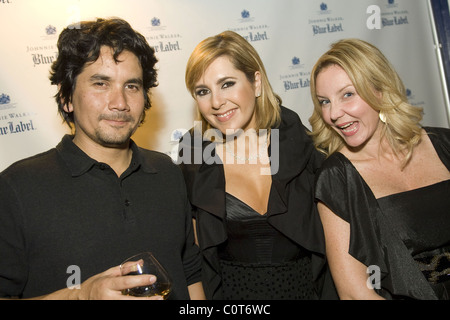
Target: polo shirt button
[103, 166]
[127, 203]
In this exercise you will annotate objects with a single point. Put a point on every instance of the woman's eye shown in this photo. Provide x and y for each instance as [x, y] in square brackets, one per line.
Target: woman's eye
[228, 84]
[201, 92]
[348, 94]
[323, 102]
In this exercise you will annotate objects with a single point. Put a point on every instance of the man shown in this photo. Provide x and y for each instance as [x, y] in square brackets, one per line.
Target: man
[71, 213]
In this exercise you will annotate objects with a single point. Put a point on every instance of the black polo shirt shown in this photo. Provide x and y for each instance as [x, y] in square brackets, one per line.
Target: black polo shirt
[61, 208]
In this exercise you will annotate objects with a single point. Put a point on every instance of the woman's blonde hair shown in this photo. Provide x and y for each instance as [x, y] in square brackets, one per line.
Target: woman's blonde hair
[244, 58]
[379, 85]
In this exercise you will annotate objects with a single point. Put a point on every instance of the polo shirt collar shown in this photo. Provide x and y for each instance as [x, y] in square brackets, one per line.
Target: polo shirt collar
[79, 162]
[139, 160]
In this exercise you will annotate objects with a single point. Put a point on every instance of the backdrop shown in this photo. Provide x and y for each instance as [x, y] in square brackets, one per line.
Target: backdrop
[290, 35]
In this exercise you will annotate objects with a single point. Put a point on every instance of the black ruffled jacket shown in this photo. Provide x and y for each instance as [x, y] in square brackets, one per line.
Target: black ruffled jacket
[291, 207]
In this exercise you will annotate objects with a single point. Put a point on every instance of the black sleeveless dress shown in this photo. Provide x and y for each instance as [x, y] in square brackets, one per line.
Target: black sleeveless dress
[405, 235]
[421, 218]
[258, 262]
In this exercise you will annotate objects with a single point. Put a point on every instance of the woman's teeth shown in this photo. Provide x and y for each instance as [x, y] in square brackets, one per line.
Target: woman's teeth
[225, 114]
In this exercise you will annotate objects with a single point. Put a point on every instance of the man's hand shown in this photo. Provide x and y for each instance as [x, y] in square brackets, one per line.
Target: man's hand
[107, 285]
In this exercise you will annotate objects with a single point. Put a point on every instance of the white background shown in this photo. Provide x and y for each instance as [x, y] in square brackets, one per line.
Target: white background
[286, 32]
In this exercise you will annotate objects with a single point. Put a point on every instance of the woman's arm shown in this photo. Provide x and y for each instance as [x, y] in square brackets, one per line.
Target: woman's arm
[196, 291]
[349, 275]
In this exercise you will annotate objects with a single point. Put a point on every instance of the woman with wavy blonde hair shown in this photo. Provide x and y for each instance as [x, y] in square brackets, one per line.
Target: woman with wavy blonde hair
[383, 191]
[383, 90]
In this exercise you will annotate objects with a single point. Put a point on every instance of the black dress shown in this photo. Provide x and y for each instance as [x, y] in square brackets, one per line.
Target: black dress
[258, 262]
[405, 235]
[291, 212]
[421, 218]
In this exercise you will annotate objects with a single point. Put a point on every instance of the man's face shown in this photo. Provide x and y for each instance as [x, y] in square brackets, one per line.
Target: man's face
[108, 100]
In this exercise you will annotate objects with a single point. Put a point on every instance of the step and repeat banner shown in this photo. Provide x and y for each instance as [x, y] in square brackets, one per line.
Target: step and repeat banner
[290, 35]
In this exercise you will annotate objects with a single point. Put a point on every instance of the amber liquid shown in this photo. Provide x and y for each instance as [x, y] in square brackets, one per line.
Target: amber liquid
[157, 289]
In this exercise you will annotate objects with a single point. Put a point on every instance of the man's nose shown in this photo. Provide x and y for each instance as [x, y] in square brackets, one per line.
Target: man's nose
[118, 100]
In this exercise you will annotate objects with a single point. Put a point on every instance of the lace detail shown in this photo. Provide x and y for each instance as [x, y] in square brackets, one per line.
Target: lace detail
[436, 269]
[283, 281]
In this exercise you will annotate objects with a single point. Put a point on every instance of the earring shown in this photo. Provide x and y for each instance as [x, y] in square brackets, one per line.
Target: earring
[382, 116]
[258, 95]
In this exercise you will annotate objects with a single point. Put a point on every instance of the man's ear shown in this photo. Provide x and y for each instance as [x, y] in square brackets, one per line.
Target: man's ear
[68, 107]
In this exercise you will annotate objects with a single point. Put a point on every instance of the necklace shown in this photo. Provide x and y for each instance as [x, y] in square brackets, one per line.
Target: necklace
[250, 157]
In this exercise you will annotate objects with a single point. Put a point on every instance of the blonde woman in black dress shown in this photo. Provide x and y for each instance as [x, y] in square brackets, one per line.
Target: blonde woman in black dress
[384, 191]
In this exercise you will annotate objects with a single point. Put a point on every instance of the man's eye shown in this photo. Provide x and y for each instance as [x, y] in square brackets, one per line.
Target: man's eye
[133, 87]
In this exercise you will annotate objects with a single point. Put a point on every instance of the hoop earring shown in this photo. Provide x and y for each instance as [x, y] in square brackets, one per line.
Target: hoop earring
[382, 116]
